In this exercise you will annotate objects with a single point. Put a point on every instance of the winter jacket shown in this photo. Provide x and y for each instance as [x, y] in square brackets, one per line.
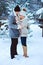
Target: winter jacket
[13, 31]
[25, 27]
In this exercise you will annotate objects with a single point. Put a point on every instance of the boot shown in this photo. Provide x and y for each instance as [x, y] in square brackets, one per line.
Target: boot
[13, 52]
[25, 51]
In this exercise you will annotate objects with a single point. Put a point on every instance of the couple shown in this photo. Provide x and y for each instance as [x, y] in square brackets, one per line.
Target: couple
[18, 22]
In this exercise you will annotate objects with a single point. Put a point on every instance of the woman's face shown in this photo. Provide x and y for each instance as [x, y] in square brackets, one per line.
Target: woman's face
[22, 17]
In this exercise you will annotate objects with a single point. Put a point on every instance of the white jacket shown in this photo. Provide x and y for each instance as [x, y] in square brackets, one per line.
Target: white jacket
[25, 27]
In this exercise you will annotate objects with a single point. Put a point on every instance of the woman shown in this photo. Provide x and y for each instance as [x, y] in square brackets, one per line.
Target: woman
[24, 31]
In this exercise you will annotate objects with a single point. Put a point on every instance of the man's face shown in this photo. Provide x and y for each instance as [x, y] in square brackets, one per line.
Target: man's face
[17, 13]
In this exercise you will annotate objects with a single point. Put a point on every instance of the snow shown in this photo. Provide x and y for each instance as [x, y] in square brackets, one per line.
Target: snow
[31, 21]
[39, 11]
[27, 3]
[34, 46]
[41, 0]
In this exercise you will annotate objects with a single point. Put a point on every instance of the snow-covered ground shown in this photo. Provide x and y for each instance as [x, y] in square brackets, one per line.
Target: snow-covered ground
[34, 46]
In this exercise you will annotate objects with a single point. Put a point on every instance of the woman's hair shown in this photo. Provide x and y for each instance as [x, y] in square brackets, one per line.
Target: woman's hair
[24, 9]
[17, 8]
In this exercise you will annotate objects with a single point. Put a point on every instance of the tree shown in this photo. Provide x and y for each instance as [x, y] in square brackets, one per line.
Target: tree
[3, 8]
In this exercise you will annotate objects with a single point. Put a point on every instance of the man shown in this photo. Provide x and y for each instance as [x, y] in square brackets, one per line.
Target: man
[14, 32]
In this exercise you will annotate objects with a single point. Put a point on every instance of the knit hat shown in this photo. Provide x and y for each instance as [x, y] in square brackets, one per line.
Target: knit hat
[23, 13]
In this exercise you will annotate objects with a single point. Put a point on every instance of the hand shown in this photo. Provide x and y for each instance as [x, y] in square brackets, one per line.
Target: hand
[20, 26]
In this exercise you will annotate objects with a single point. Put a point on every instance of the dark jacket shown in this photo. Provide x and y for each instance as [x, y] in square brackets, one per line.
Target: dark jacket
[13, 31]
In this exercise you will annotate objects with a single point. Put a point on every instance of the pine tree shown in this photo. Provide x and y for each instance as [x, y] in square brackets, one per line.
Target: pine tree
[3, 8]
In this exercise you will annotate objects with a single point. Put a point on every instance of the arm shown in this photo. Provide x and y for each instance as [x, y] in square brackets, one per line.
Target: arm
[12, 23]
